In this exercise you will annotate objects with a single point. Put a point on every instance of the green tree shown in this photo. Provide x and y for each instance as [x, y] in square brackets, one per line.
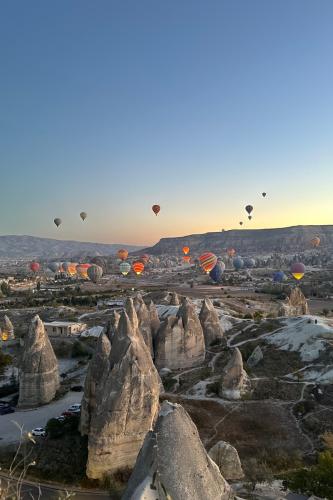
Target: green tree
[5, 289]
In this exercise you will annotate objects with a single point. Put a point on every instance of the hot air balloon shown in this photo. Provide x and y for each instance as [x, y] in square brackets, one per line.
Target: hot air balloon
[138, 267]
[124, 268]
[71, 268]
[54, 266]
[122, 254]
[249, 263]
[250, 217]
[238, 263]
[57, 221]
[297, 270]
[65, 266]
[83, 215]
[279, 276]
[207, 261]
[186, 250]
[4, 336]
[95, 273]
[249, 209]
[241, 223]
[34, 266]
[263, 195]
[186, 258]
[231, 252]
[156, 209]
[315, 242]
[82, 270]
[217, 272]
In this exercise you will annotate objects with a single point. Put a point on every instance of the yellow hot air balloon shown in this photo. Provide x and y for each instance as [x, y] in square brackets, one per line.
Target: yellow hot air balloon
[297, 270]
[4, 336]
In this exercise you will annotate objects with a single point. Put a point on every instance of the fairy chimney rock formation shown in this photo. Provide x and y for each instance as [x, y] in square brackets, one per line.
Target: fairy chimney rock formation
[210, 322]
[112, 326]
[180, 341]
[174, 299]
[227, 459]
[9, 328]
[144, 322]
[154, 318]
[97, 371]
[126, 404]
[295, 305]
[39, 373]
[234, 381]
[173, 463]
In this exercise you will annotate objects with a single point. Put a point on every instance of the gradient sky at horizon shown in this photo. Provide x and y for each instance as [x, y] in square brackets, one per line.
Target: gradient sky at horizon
[111, 106]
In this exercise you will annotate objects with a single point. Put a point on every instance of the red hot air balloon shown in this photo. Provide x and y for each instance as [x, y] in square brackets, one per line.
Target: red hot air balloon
[156, 209]
[207, 261]
[138, 267]
[122, 254]
[34, 266]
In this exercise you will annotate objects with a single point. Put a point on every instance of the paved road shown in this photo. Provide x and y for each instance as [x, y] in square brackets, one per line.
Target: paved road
[9, 433]
[45, 491]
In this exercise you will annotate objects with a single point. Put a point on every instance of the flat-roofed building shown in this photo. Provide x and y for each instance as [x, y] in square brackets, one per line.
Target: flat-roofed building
[64, 328]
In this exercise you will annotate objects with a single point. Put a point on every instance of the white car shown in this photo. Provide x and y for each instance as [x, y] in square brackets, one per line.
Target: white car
[75, 407]
[39, 431]
[61, 418]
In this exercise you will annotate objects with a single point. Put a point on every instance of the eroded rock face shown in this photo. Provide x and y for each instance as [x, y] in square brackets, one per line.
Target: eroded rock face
[9, 328]
[295, 305]
[144, 322]
[234, 381]
[180, 341]
[174, 299]
[255, 357]
[126, 403]
[112, 325]
[97, 371]
[39, 374]
[210, 323]
[173, 463]
[226, 458]
[154, 319]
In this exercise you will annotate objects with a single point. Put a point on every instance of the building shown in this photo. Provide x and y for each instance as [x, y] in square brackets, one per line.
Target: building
[64, 328]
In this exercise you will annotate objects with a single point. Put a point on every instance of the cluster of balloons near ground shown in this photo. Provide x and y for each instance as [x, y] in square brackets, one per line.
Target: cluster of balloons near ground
[138, 266]
[85, 270]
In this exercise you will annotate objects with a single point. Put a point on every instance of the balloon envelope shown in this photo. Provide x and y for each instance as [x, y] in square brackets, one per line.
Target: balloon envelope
[82, 270]
[186, 258]
[83, 215]
[208, 261]
[138, 267]
[241, 223]
[95, 273]
[217, 272]
[238, 263]
[249, 263]
[297, 270]
[124, 268]
[34, 266]
[249, 208]
[186, 250]
[263, 194]
[57, 221]
[122, 254]
[279, 276]
[156, 209]
[54, 266]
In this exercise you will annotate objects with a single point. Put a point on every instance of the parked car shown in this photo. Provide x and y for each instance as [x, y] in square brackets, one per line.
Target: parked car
[77, 388]
[61, 418]
[4, 409]
[70, 413]
[39, 431]
[74, 407]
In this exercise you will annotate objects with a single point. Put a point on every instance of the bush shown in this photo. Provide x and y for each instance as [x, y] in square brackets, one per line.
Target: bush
[79, 350]
[5, 360]
[54, 428]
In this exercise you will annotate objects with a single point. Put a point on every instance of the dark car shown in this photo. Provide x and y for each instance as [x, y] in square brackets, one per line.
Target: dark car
[4, 409]
[77, 388]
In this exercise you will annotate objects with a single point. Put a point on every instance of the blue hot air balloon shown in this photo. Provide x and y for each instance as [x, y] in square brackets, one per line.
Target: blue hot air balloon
[249, 263]
[238, 263]
[217, 272]
[279, 276]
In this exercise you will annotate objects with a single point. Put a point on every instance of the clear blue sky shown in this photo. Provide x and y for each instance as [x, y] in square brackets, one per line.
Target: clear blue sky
[110, 106]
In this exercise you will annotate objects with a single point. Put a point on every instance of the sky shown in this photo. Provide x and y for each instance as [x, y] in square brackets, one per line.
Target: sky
[112, 106]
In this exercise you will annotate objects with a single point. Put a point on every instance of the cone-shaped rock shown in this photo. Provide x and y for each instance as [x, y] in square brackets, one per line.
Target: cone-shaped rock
[127, 404]
[194, 337]
[39, 374]
[226, 458]
[131, 313]
[144, 322]
[174, 299]
[154, 319]
[295, 305]
[97, 371]
[9, 328]
[255, 357]
[112, 325]
[210, 322]
[173, 463]
[234, 380]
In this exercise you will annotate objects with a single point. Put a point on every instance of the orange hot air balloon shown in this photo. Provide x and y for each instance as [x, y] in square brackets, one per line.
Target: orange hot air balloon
[82, 270]
[138, 267]
[315, 242]
[187, 258]
[207, 261]
[34, 266]
[231, 252]
[156, 209]
[186, 250]
[122, 254]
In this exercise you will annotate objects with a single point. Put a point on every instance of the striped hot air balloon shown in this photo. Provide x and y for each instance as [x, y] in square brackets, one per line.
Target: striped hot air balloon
[122, 254]
[82, 270]
[186, 250]
[297, 270]
[207, 261]
[138, 267]
[124, 268]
